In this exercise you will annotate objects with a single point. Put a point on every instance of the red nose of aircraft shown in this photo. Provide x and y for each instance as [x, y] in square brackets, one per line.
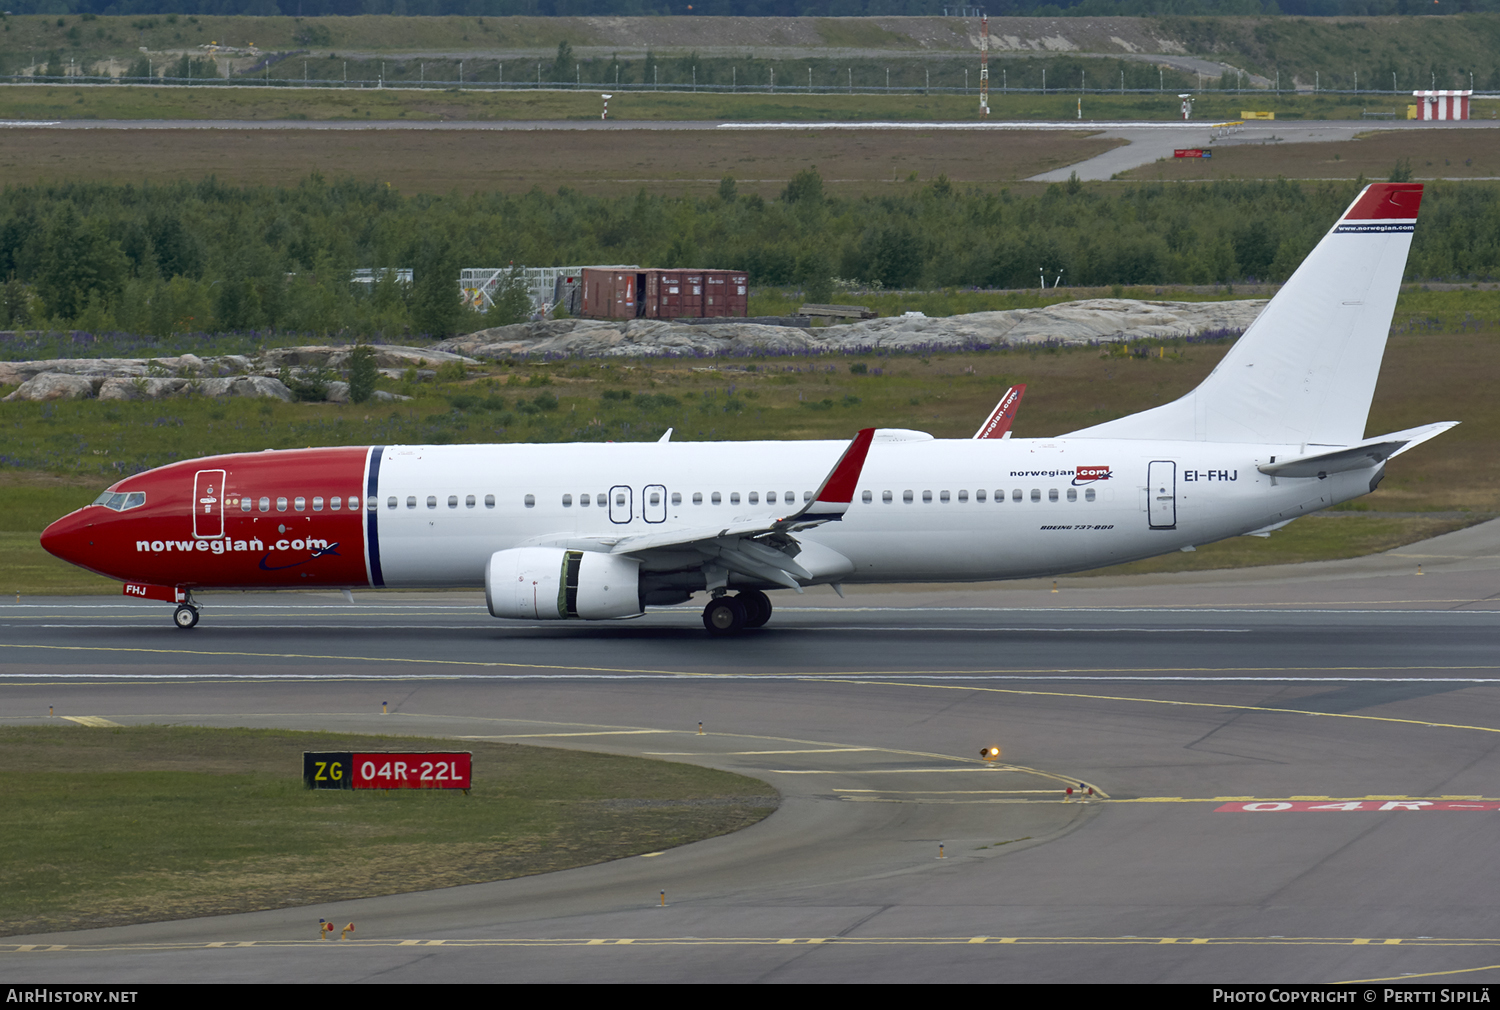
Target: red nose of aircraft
[70, 538]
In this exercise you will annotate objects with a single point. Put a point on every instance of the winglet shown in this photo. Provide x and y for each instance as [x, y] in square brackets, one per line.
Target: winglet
[837, 491]
[997, 425]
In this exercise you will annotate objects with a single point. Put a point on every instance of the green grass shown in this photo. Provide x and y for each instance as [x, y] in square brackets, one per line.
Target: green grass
[111, 826]
[1312, 538]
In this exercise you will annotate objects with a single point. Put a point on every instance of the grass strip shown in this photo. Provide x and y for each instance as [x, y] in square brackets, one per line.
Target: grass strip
[1318, 537]
[107, 826]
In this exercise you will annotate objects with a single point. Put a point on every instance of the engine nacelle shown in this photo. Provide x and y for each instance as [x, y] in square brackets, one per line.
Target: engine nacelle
[553, 584]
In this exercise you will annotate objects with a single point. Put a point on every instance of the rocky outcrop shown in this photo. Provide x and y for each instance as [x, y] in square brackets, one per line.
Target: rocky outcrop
[188, 374]
[54, 386]
[1098, 320]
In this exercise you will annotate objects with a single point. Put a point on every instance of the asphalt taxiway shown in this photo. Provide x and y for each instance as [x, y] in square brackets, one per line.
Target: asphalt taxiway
[1293, 776]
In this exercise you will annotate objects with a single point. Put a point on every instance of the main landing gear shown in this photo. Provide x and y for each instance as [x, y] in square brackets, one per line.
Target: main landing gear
[729, 615]
[186, 616]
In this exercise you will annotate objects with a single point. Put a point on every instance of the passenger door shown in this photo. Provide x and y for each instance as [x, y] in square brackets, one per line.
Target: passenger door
[208, 504]
[1161, 494]
[654, 503]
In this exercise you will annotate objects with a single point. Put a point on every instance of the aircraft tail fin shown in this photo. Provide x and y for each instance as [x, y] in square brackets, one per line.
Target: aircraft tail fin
[997, 425]
[1305, 370]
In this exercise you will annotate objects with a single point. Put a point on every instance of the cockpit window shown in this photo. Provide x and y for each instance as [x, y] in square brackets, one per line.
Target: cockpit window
[119, 501]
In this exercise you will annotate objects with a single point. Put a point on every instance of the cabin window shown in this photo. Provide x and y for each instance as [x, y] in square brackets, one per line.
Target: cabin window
[334, 503]
[734, 497]
[531, 501]
[927, 497]
[1088, 494]
[807, 496]
[246, 504]
[655, 497]
[1072, 494]
[390, 502]
[354, 503]
[468, 501]
[789, 497]
[697, 497]
[978, 495]
[887, 497]
[963, 496]
[942, 496]
[619, 498]
[754, 497]
[453, 501]
[770, 497]
[676, 497]
[1052, 494]
[715, 498]
[1015, 495]
[280, 504]
[432, 501]
[601, 500]
[1036, 494]
[567, 501]
[908, 496]
[317, 504]
[867, 497]
[411, 501]
[489, 501]
[299, 505]
[584, 501]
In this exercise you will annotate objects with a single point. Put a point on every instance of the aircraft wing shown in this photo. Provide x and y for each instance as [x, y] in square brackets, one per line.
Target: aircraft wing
[997, 425]
[762, 547]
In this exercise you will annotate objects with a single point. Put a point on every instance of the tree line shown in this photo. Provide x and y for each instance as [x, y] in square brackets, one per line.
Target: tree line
[207, 257]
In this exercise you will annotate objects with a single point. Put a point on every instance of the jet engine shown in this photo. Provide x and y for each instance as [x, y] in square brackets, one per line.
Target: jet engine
[552, 584]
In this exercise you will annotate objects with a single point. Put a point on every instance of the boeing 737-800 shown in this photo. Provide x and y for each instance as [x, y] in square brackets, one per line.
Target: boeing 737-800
[601, 531]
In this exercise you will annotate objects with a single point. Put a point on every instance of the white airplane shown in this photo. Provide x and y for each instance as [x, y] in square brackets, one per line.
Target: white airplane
[601, 531]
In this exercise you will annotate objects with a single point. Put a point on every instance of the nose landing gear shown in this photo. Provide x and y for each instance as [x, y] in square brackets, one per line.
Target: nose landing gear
[729, 615]
[186, 616]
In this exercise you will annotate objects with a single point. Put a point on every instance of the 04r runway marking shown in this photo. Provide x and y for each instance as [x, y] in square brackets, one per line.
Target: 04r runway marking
[757, 941]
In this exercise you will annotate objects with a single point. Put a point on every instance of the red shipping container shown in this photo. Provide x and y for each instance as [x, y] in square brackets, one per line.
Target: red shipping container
[737, 293]
[664, 294]
[669, 303]
[609, 294]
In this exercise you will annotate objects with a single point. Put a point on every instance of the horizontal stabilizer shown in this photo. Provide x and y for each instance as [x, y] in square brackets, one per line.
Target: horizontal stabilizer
[1355, 457]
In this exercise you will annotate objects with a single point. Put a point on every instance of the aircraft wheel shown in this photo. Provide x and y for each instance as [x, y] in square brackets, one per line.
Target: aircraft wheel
[724, 616]
[185, 617]
[757, 607]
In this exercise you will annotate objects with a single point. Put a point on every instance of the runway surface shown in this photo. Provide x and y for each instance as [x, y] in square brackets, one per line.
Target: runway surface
[1293, 775]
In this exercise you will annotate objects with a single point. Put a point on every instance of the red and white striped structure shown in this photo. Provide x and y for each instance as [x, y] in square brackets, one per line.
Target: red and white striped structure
[1442, 104]
[984, 65]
